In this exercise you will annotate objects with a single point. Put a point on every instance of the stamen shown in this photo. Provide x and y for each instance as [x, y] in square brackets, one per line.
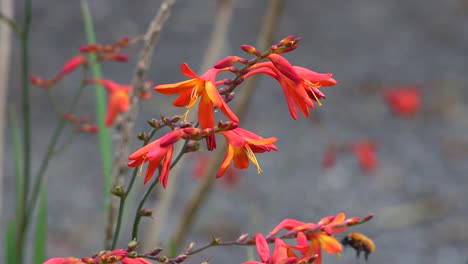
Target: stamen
[140, 169]
[193, 97]
[185, 115]
[316, 85]
[252, 157]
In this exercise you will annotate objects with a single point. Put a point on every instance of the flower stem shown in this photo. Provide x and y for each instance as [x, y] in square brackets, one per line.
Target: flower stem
[26, 127]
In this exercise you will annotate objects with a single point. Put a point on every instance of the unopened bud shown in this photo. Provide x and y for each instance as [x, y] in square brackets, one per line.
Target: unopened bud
[226, 62]
[250, 49]
[142, 136]
[175, 119]
[132, 245]
[285, 67]
[233, 69]
[118, 191]
[244, 71]
[154, 123]
[192, 147]
[238, 81]
[223, 90]
[123, 42]
[180, 258]
[155, 252]
[230, 97]
[244, 238]
[284, 50]
[132, 254]
[189, 248]
[285, 41]
[145, 212]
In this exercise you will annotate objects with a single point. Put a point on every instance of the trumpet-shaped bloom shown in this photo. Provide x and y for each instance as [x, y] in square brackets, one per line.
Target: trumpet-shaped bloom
[119, 100]
[242, 145]
[157, 152]
[300, 85]
[199, 86]
[318, 239]
[279, 256]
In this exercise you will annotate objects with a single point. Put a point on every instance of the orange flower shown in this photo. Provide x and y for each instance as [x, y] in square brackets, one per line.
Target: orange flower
[366, 154]
[242, 145]
[280, 254]
[64, 261]
[320, 238]
[404, 102]
[156, 152]
[199, 86]
[119, 100]
[135, 261]
[300, 85]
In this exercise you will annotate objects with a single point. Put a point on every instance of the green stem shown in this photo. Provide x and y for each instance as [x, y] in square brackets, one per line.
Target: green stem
[26, 126]
[136, 222]
[118, 225]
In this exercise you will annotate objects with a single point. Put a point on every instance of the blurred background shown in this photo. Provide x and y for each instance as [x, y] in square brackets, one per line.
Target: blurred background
[416, 187]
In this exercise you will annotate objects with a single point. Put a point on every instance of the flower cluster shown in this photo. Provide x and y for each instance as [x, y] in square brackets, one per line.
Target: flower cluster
[119, 99]
[311, 238]
[300, 86]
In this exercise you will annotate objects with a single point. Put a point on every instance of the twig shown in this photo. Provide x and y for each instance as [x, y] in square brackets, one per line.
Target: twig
[203, 188]
[217, 42]
[150, 39]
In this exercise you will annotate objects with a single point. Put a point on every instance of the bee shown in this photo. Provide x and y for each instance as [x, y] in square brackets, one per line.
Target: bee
[360, 243]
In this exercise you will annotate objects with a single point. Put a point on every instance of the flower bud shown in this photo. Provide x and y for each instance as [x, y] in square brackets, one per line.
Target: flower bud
[244, 238]
[238, 81]
[284, 67]
[132, 254]
[142, 136]
[132, 245]
[230, 97]
[250, 49]
[154, 123]
[190, 247]
[155, 252]
[226, 62]
[227, 81]
[233, 69]
[73, 63]
[145, 212]
[284, 41]
[284, 50]
[192, 147]
[223, 90]
[180, 258]
[118, 191]
[175, 119]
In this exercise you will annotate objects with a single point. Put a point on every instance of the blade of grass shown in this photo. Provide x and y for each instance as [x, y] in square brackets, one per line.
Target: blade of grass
[103, 134]
[19, 187]
[10, 243]
[40, 241]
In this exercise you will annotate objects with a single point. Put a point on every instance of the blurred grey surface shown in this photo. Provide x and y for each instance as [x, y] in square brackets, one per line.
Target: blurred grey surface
[367, 45]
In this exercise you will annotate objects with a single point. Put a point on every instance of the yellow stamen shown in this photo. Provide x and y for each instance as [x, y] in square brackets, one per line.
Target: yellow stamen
[316, 85]
[140, 169]
[193, 96]
[252, 158]
[185, 115]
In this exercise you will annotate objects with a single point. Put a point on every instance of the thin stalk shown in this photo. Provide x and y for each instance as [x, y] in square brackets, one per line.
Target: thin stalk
[26, 126]
[118, 225]
[103, 133]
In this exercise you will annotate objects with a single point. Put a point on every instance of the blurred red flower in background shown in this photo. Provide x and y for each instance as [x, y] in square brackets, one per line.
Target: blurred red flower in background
[404, 101]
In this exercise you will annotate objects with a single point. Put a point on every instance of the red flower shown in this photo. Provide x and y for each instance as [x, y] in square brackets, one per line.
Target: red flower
[72, 64]
[242, 145]
[135, 261]
[89, 128]
[300, 85]
[319, 239]
[64, 261]
[156, 152]
[404, 102]
[366, 154]
[199, 86]
[280, 254]
[119, 100]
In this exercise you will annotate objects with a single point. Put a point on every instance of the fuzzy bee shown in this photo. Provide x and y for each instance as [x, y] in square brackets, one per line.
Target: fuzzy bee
[360, 243]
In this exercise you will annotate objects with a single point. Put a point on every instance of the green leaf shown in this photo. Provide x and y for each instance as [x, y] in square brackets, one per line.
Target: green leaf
[104, 134]
[10, 242]
[40, 241]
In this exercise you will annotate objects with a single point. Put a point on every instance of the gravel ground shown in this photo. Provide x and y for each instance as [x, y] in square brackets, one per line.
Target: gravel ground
[416, 193]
